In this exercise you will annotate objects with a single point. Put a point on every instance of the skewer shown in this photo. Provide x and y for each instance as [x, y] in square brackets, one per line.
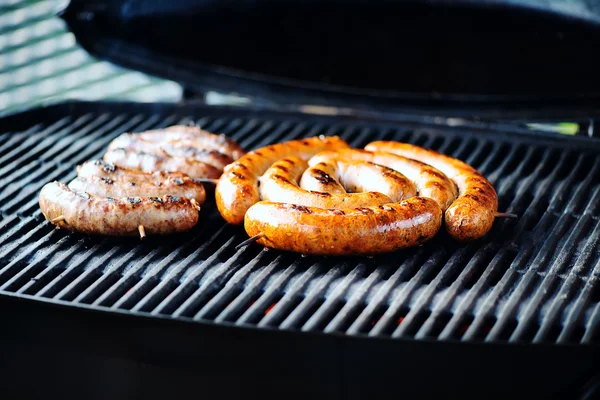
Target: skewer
[206, 180]
[251, 240]
[60, 218]
[505, 215]
[142, 232]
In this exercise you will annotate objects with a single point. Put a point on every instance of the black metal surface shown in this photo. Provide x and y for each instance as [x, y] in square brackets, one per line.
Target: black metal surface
[530, 280]
[472, 54]
[515, 313]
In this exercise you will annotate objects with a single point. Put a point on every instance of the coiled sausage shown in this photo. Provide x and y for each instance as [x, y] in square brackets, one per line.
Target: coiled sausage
[429, 181]
[357, 177]
[280, 184]
[472, 215]
[353, 231]
[237, 189]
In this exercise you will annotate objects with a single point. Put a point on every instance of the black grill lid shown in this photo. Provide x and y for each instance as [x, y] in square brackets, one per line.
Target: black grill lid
[362, 54]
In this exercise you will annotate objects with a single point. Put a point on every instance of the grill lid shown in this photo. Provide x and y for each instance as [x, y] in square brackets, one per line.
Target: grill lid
[499, 54]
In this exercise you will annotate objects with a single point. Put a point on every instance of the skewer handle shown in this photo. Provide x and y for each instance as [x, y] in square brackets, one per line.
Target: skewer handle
[60, 218]
[142, 232]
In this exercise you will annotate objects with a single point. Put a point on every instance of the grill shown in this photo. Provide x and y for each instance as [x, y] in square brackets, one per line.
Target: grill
[514, 314]
[530, 280]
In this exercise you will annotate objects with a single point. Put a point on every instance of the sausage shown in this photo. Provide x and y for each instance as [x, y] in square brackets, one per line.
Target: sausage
[280, 184]
[103, 169]
[237, 189]
[212, 157]
[353, 231]
[357, 177]
[322, 178]
[86, 213]
[136, 144]
[472, 215]
[147, 162]
[429, 182]
[106, 187]
[188, 136]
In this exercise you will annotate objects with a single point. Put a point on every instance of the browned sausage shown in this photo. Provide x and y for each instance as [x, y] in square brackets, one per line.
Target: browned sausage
[323, 177]
[134, 143]
[428, 181]
[85, 213]
[237, 189]
[187, 136]
[471, 216]
[359, 176]
[280, 184]
[368, 230]
[149, 163]
[106, 187]
[103, 169]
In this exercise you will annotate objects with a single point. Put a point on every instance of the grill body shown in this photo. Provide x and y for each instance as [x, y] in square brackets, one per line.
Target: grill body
[516, 312]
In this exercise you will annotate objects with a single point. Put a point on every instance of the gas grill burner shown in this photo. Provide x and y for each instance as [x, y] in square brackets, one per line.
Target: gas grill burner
[530, 281]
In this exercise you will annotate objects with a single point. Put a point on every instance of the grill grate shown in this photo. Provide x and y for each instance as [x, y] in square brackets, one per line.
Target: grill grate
[530, 280]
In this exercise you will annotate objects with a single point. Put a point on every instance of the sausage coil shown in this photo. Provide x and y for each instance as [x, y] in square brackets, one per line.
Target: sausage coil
[469, 217]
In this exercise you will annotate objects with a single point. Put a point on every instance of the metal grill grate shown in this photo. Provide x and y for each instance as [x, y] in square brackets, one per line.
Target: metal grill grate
[530, 280]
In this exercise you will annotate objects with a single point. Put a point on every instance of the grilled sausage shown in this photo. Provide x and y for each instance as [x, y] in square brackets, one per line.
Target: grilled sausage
[280, 184]
[357, 177]
[237, 189]
[368, 230]
[136, 144]
[103, 169]
[428, 181]
[471, 216]
[323, 177]
[147, 162]
[106, 187]
[85, 213]
[187, 136]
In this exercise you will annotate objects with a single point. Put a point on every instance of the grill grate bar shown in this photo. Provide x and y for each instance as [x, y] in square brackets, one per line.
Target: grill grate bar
[344, 317]
[568, 290]
[334, 301]
[275, 314]
[267, 301]
[252, 290]
[508, 311]
[232, 286]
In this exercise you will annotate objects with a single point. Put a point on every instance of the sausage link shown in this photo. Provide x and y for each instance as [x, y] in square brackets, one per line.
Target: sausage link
[103, 169]
[280, 184]
[106, 187]
[136, 144]
[188, 136]
[472, 215]
[360, 176]
[322, 178]
[146, 162]
[353, 231]
[85, 213]
[237, 189]
[429, 181]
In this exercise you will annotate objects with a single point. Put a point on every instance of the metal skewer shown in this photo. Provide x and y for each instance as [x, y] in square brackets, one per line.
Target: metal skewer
[505, 215]
[250, 240]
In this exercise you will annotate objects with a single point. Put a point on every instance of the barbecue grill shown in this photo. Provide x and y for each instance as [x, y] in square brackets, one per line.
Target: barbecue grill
[516, 313]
